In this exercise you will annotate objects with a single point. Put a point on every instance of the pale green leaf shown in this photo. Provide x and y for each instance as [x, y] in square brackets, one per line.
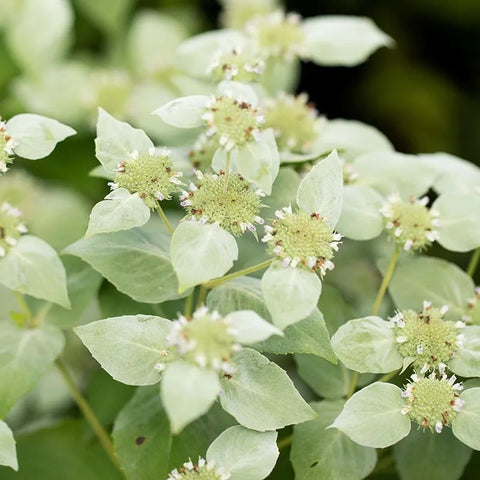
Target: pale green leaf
[467, 423]
[187, 391]
[390, 172]
[128, 347]
[423, 454]
[261, 396]
[195, 54]
[201, 252]
[25, 354]
[367, 345]
[35, 47]
[350, 138]
[36, 136]
[280, 76]
[459, 215]
[119, 211]
[8, 454]
[319, 453]
[291, 294]
[321, 189]
[33, 267]
[134, 261]
[433, 279]
[116, 141]
[453, 174]
[284, 191]
[245, 454]
[152, 40]
[326, 379]
[250, 327]
[258, 161]
[183, 112]
[342, 40]
[309, 335]
[466, 361]
[372, 417]
[361, 218]
[144, 443]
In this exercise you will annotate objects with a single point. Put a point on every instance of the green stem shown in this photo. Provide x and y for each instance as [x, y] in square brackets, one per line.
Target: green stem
[164, 219]
[202, 295]
[353, 384]
[25, 310]
[189, 304]
[284, 442]
[239, 273]
[89, 415]
[472, 266]
[386, 281]
[227, 170]
[388, 376]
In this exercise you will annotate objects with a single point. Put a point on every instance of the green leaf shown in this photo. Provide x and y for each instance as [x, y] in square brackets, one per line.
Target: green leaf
[183, 112]
[309, 335]
[25, 354]
[245, 454]
[250, 327]
[59, 452]
[367, 345]
[35, 48]
[128, 347]
[119, 211]
[321, 189]
[108, 15]
[35, 135]
[32, 267]
[284, 190]
[319, 453]
[116, 141]
[423, 455]
[187, 392]
[144, 443]
[459, 216]
[201, 252]
[432, 279]
[467, 423]
[466, 361]
[8, 453]
[351, 138]
[134, 261]
[326, 379]
[338, 40]
[372, 417]
[393, 171]
[291, 294]
[361, 218]
[258, 161]
[261, 396]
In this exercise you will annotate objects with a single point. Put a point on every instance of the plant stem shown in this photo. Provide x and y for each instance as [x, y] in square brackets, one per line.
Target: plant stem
[353, 384]
[239, 273]
[388, 376]
[386, 281]
[202, 295]
[89, 415]
[227, 170]
[189, 304]
[472, 266]
[164, 219]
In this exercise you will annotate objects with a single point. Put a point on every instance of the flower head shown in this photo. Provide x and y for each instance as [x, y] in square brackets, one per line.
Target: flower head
[295, 122]
[7, 144]
[278, 34]
[427, 337]
[230, 202]
[433, 402]
[202, 470]
[150, 174]
[410, 224]
[302, 239]
[472, 314]
[11, 227]
[207, 340]
[202, 152]
[236, 64]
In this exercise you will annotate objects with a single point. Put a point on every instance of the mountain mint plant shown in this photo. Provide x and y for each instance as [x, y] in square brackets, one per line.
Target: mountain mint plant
[260, 292]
